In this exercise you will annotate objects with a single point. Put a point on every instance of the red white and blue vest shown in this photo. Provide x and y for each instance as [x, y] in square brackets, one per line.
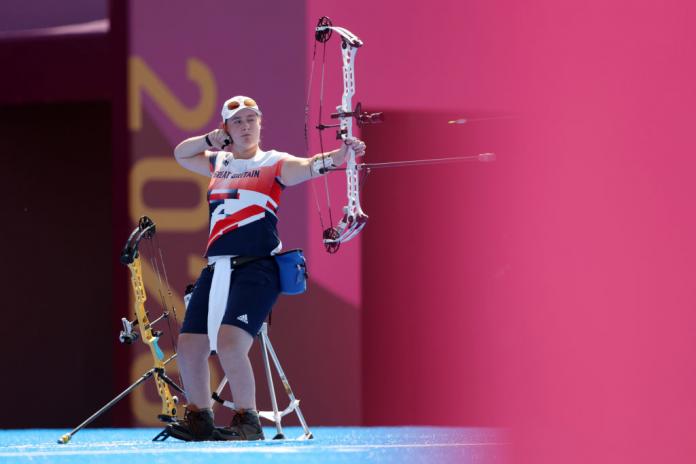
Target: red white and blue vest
[243, 199]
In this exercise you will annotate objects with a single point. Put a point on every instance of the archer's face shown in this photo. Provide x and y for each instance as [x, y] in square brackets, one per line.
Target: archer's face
[245, 129]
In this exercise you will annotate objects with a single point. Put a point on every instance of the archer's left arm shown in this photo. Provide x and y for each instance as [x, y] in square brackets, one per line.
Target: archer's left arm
[297, 170]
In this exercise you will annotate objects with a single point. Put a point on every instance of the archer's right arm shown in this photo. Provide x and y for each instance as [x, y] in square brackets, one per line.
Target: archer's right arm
[193, 152]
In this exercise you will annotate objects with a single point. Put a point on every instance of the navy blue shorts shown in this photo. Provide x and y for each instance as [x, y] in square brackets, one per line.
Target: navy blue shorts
[254, 289]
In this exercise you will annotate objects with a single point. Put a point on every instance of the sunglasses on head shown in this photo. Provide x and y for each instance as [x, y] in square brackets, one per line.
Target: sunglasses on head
[233, 105]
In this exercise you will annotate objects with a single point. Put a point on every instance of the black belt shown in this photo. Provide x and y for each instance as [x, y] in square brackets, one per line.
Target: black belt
[239, 261]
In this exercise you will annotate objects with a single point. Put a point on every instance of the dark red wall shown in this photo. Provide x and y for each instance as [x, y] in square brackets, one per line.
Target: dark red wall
[62, 141]
[56, 190]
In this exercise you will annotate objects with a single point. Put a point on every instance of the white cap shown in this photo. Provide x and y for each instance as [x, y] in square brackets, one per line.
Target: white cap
[235, 104]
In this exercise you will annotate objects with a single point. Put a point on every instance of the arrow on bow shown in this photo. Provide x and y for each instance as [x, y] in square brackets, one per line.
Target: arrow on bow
[483, 157]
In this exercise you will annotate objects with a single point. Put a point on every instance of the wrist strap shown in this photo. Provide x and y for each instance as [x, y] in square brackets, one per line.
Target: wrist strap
[320, 166]
[207, 140]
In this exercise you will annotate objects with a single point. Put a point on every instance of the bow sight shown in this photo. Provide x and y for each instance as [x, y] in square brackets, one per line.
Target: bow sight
[362, 118]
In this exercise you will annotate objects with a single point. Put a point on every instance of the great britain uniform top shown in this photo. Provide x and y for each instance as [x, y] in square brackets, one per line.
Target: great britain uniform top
[243, 200]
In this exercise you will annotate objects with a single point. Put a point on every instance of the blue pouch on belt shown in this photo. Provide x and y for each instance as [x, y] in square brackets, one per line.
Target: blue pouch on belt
[293, 272]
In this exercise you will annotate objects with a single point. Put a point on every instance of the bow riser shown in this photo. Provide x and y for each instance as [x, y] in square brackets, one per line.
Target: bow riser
[353, 219]
[147, 334]
[151, 339]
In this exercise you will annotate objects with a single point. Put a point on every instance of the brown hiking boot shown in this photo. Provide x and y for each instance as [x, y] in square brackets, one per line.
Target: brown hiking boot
[247, 425]
[197, 426]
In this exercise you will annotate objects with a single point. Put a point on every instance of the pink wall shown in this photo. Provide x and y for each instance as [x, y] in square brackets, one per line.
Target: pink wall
[552, 291]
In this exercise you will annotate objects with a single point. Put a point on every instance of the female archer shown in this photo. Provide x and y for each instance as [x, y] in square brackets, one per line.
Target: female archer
[235, 293]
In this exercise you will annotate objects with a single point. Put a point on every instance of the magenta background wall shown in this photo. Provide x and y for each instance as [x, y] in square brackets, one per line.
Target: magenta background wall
[255, 49]
[551, 292]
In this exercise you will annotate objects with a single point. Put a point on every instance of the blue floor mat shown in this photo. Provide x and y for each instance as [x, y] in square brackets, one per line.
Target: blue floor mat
[432, 445]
